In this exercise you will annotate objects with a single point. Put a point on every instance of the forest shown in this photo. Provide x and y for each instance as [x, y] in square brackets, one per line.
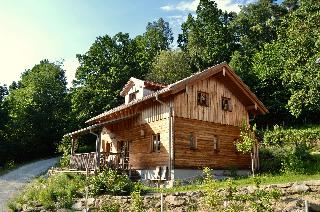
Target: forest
[274, 48]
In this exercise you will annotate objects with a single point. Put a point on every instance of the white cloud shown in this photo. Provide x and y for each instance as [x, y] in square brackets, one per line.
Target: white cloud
[191, 6]
[167, 8]
[182, 6]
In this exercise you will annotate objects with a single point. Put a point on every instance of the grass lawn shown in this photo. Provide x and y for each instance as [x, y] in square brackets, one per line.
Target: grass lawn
[244, 181]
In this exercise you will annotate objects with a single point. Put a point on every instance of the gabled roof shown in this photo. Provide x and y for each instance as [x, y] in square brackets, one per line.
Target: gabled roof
[147, 84]
[223, 71]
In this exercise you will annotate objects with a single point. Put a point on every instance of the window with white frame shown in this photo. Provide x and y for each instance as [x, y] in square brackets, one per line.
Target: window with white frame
[155, 143]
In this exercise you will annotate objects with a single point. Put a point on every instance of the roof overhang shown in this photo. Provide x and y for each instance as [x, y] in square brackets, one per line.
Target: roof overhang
[98, 126]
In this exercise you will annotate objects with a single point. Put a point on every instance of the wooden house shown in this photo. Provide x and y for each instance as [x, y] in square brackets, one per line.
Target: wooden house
[173, 131]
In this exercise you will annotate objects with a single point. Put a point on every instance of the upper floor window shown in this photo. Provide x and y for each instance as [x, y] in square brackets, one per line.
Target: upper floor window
[226, 104]
[132, 96]
[203, 99]
[155, 142]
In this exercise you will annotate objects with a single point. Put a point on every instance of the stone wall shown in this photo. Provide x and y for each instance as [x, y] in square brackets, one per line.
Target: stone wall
[293, 198]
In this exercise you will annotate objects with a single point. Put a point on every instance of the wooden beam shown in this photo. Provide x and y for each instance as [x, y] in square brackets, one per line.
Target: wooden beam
[252, 107]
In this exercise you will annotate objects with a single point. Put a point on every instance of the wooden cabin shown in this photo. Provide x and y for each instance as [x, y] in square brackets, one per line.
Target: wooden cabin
[174, 131]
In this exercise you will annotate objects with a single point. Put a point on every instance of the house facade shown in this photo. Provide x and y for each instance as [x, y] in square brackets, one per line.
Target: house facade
[174, 131]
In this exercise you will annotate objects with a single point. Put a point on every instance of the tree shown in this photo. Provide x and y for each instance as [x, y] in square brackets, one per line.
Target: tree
[206, 37]
[3, 112]
[38, 111]
[158, 36]
[169, 67]
[288, 66]
[247, 142]
[255, 25]
[109, 64]
[103, 71]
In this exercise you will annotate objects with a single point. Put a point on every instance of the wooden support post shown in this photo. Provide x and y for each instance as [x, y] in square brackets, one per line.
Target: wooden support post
[98, 141]
[72, 146]
[73, 141]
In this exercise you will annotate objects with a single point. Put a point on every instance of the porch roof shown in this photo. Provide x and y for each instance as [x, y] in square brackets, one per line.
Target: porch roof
[98, 125]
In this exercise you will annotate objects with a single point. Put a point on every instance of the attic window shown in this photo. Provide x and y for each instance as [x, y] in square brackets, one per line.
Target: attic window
[132, 96]
[226, 104]
[203, 99]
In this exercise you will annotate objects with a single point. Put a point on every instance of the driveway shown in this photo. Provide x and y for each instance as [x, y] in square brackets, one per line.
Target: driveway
[13, 181]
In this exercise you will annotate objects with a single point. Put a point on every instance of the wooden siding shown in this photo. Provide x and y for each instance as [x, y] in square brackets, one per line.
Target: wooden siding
[140, 154]
[204, 155]
[185, 103]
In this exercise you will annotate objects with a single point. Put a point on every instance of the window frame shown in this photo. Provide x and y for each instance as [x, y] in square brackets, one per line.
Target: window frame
[205, 102]
[155, 143]
[192, 141]
[226, 101]
[216, 143]
[132, 94]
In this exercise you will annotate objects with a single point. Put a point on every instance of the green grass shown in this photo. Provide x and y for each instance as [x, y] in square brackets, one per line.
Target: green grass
[243, 181]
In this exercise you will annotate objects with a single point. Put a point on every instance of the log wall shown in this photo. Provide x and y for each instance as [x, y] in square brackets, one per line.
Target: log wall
[204, 155]
[185, 103]
[140, 154]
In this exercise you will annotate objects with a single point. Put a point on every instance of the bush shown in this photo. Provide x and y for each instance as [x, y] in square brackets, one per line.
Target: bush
[271, 159]
[109, 206]
[110, 182]
[64, 147]
[281, 136]
[55, 192]
[212, 196]
[136, 199]
[289, 150]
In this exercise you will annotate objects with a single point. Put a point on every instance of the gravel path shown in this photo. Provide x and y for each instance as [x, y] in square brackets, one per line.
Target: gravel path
[13, 181]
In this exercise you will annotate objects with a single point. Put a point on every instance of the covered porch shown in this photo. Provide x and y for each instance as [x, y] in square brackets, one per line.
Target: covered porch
[100, 158]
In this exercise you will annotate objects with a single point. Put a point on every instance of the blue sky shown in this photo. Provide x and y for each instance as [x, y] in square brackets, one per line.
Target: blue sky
[32, 30]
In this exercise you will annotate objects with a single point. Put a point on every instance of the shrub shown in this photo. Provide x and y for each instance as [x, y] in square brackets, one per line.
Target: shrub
[271, 159]
[136, 200]
[289, 150]
[281, 136]
[212, 197]
[109, 206]
[110, 182]
[64, 147]
[55, 192]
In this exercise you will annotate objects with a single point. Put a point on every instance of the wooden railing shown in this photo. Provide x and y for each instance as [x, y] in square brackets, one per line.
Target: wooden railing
[82, 161]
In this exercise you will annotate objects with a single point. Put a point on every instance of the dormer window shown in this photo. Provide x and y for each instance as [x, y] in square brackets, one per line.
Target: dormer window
[132, 97]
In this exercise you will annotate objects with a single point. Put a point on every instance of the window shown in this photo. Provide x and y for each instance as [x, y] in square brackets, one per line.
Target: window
[216, 143]
[226, 104]
[234, 145]
[192, 141]
[132, 97]
[203, 99]
[155, 143]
